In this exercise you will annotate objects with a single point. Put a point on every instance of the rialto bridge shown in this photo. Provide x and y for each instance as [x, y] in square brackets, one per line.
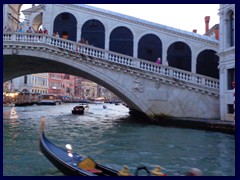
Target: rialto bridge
[145, 86]
[120, 56]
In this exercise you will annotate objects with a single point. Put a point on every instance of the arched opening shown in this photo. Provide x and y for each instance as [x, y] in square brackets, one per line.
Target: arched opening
[37, 22]
[66, 26]
[207, 64]
[179, 56]
[94, 32]
[121, 41]
[149, 47]
[230, 29]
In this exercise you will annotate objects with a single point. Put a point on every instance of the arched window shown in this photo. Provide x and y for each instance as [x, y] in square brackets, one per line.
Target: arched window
[179, 56]
[121, 41]
[207, 64]
[231, 26]
[150, 47]
[230, 29]
[66, 26]
[93, 31]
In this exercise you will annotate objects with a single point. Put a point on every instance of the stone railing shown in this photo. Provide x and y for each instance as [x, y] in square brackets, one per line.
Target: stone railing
[129, 61]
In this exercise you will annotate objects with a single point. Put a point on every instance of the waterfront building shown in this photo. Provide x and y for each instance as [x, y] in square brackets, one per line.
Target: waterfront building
[89, 89]
[227, 61]
[55, 84]
[33, 83]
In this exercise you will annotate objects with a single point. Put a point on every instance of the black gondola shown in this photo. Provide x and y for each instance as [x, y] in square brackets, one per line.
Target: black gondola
[70, 163]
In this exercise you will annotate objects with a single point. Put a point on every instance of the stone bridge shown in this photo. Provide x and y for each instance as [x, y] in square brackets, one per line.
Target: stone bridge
[145, 86]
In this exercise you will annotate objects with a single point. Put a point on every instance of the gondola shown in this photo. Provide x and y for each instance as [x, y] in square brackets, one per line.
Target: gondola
[73, 164]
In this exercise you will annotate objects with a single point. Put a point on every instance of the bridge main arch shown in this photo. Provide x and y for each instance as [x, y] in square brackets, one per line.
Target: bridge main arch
[31, 64]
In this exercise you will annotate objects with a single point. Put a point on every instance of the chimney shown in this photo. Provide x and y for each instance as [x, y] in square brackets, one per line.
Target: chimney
[207, 19]
[195, 31]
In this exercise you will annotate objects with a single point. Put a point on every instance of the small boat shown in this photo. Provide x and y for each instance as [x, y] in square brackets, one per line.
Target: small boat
[104, 106]
[99, 100]
[48, 99]
[80, 109]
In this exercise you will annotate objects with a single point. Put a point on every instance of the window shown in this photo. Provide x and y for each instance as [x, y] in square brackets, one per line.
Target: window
[230, 109]
[25, 79]
[231, 78]
[232, 29]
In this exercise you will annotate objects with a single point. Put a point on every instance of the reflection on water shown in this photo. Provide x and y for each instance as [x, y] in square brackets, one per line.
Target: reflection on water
[108, 136]
[11, 114]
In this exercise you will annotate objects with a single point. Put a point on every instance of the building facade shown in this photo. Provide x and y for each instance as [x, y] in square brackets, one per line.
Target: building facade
[34, 83]
[227, 61]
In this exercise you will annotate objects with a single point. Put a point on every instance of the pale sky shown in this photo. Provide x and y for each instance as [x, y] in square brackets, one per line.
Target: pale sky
[181, 16]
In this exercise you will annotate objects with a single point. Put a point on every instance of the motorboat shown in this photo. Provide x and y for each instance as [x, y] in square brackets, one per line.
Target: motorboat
[80, 109]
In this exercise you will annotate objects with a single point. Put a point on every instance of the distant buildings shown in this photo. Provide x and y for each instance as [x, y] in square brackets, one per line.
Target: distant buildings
[64, 85]
[34, 83]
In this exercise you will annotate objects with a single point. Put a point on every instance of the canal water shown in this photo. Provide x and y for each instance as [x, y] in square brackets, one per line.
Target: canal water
[111, 138]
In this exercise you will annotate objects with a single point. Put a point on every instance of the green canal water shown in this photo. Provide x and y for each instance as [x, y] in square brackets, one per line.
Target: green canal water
[111, 138]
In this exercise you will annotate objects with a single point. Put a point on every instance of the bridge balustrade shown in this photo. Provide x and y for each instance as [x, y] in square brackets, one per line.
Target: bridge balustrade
[129, 61]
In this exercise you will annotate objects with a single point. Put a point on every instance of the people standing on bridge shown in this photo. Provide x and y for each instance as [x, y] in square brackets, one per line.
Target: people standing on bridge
[57, 35]
[40, 31]
[166, 63]
[21, 30]
[17, 29]
[30, 30]
[9, 29]
[5, 29]
[82, 40]
[45, 31]
[158, 61]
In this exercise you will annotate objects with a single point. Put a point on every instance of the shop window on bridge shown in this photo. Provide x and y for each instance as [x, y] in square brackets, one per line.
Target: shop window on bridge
[150, 47]
[179, 55]
[93, 31]
[66, 25]
[121, 41]
[65, 35]
[207, 64]
[231, 78]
